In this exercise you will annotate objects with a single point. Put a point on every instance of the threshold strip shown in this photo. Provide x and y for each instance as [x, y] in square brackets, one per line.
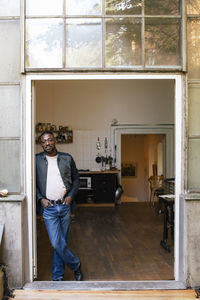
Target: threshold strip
[105, 285]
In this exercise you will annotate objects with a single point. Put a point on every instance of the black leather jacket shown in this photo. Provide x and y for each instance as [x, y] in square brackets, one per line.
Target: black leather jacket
[68, 171]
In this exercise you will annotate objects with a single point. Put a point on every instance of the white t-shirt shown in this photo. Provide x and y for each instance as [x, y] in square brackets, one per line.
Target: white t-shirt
[55, 186]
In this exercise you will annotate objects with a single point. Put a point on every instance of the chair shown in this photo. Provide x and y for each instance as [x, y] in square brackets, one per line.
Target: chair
[156, 187]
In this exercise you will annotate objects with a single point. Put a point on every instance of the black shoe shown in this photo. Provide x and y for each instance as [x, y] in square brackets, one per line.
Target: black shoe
[78, 275]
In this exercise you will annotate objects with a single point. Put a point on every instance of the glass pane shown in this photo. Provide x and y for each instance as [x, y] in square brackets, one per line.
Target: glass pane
[123, 7]
[80, 7]
[123, 42]
[9, 51]
[44, 7]
[194, 164]
[84, 39]
[193, 43]
[162, 42]
[162, 7]
[194, 109]
[193, 6]
[9, 8]
[44, 43]
[10, 111]
[10, 165]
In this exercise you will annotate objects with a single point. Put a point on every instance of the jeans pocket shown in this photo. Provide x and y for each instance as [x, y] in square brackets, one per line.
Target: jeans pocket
[48, 207]
[66, 206]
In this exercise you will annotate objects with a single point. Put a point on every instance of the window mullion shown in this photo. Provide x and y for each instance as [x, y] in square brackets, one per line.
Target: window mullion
[143, 35]
[103, 35]
[183, 36]
[64, 35]
[22, 29]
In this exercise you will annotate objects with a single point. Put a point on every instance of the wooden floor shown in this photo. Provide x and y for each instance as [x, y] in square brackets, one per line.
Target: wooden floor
[135, 295]
[121, 243]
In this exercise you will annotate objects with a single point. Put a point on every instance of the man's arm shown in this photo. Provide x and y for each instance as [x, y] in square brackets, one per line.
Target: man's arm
[38, 194]
[41, 200]
[75, 183]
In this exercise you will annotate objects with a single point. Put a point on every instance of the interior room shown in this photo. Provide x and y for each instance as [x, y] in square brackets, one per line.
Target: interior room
[116, 238]
[141, 152]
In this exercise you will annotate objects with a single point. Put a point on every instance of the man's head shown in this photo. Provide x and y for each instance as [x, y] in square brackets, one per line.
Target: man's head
[48, 142]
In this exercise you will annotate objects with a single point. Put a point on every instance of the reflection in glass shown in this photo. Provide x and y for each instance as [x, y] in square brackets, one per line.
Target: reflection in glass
[194, 164]
[193, 7]
[193, 43]
[9, 8]
[162, 7]
[44, 43]
[162, 42]
[194, 109]
[44, 7]
[80, 7]
[10, 163]
[123, 7]
[10, 50]
[123, 42]
[10, 111]
[83, 43]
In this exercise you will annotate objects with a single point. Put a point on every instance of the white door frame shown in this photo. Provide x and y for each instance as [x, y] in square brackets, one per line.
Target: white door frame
[167, 130]
[179, 150]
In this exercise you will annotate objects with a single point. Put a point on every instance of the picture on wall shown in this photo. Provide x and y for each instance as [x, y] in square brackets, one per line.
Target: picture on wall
[129, 169]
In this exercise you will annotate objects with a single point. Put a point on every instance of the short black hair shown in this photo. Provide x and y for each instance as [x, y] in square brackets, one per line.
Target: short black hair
[43, 133]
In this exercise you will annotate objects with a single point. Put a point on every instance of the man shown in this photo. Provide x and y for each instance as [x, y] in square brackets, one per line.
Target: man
[57, 182]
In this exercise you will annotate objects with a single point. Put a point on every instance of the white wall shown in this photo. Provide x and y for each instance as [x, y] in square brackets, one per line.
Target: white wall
[83, 149]
[152, 145]
[89, 106]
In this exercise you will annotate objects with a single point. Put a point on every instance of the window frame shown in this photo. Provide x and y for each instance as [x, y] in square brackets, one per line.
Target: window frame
[190, 137]
[17, 138]
[103, 16]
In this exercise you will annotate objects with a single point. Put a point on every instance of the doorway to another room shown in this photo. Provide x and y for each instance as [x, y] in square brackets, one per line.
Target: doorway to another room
[142, 159]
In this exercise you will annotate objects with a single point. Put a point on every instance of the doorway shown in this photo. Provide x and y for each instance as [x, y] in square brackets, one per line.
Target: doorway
[142, 156]
[73, 78]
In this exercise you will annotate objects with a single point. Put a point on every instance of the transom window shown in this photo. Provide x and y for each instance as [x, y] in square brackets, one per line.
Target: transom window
[103, 34]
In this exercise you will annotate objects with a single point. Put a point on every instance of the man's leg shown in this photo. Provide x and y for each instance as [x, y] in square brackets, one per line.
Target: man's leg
[54, 216]
[58, 266]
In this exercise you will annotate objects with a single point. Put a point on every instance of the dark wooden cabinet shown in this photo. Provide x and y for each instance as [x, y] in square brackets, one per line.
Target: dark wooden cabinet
[85, 196]
[103, 189]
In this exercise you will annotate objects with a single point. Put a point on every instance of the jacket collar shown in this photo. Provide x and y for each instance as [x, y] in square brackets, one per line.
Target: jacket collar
[44, 155]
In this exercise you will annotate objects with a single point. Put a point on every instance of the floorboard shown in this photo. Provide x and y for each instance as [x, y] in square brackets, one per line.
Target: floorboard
[120, 295]
[113, 243]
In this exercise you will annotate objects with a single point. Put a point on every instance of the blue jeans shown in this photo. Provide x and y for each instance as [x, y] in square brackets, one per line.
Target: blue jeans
[57, 221]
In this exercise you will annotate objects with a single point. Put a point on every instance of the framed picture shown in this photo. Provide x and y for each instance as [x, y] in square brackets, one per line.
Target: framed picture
[129, 169]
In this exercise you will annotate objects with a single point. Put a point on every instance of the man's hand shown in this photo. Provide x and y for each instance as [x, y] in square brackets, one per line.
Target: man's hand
[67, 200]
[45, 203]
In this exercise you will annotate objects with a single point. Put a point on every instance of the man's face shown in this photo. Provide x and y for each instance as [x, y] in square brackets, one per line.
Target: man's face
[48, 143]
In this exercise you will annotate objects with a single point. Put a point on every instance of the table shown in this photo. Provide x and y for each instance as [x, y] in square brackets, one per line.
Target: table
[168, 221]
